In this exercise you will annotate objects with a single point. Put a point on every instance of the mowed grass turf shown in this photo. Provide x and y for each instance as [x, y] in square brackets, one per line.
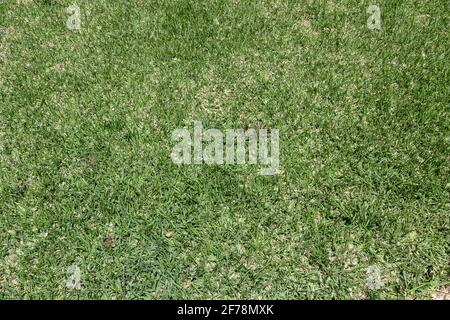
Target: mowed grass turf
[86, 176]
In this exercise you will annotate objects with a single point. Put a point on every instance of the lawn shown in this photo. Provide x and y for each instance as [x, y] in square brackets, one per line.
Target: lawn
[86, 175]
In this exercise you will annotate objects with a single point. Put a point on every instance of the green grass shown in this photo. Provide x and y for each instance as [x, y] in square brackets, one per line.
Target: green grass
[85, 124]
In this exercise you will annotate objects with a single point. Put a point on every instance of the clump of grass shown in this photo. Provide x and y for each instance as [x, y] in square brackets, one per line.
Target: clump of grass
[87, 180]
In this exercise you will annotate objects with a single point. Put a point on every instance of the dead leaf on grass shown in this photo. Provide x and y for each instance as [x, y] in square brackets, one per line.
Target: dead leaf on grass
[109, 241]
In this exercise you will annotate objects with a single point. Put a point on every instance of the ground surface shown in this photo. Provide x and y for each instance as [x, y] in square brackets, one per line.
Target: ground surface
[86, 177]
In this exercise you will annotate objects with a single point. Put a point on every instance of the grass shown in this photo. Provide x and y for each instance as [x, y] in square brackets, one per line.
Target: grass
[86, 176]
